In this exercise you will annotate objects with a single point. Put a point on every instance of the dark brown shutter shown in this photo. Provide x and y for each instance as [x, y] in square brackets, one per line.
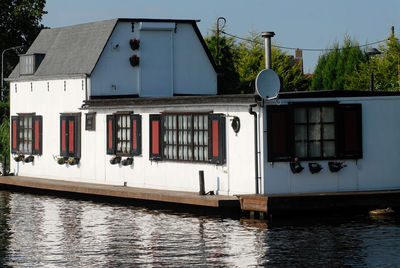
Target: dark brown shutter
[37, 135]
[155, 136]
[216, 139]
[279, 133]
[14, 134]
[136, 134]
[111, 134]
[63, 135]
[349, 131]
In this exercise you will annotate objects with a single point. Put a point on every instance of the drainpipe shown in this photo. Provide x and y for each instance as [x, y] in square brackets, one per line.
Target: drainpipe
[255, 145]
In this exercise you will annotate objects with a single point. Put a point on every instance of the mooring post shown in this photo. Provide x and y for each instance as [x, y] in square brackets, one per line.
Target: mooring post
[201, 182]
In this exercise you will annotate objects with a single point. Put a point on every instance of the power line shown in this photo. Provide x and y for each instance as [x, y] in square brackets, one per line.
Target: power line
[304, 49]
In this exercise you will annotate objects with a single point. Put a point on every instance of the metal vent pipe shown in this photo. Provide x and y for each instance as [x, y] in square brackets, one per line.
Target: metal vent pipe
[267, 46]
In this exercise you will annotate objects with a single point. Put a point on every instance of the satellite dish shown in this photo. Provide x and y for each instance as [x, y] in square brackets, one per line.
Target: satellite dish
[268, 84]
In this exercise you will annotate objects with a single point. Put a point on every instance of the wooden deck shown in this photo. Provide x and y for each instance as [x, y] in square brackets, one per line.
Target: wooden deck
[294, 203]
[178, 197]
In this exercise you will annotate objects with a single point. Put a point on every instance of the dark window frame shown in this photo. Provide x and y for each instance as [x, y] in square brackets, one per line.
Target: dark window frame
[158, 138]
[69, 118]
[340, 132]
[112, 134]
[90, 121]
[20, 133]
[178, 145]
[308, 124]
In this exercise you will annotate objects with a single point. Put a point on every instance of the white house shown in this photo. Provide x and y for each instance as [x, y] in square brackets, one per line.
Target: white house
[134, 101]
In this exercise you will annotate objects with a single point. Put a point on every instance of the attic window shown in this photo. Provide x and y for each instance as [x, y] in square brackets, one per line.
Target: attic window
[28, 64]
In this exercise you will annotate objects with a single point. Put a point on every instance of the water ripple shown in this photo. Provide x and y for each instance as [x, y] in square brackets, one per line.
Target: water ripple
[45, 231]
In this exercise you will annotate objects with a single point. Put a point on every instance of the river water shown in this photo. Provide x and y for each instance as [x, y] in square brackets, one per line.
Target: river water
[49, 231]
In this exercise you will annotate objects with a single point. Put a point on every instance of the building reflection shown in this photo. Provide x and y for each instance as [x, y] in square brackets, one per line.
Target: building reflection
[5, 233]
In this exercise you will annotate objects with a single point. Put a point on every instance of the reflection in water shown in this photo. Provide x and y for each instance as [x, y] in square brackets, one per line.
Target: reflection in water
[4, 228]
[43, 231]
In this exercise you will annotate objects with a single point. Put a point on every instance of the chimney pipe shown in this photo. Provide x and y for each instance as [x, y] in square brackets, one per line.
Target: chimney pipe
[267, 46]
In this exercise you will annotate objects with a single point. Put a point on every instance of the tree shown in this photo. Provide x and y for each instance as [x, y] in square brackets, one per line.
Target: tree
[228, 80]
[19, 25]
[251, 61]
[386, 68]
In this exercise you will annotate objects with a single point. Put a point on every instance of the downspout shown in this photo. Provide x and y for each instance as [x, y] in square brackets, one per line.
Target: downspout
[255, 145]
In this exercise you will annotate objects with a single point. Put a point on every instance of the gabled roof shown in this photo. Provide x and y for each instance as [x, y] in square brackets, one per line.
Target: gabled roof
[70, 50]
[75, 50]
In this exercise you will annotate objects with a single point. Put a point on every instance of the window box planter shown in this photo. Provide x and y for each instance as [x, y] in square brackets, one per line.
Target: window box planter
[135, 43]
[314, 167]
[61, 160]
[19, 158]
[127, 161]
[134, 60]
[336, 166]
[296, 167]
[29, 159]
[115, 160]
[73, 161]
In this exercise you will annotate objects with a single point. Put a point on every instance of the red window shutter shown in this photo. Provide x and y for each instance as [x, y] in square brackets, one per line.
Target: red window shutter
[155, 140]
[136, 134]
[14, 134]
[216, 140]
[71, 136]
[155, 137]
[279, 133]
[111, 134]
[63, 136]
[37, 135]
[349, 131]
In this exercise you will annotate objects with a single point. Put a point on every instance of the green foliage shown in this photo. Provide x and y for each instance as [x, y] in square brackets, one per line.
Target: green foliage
[347, 68]
[337, 66]
[241, 63]
[5, 137]
[19, 25]
[228, 77]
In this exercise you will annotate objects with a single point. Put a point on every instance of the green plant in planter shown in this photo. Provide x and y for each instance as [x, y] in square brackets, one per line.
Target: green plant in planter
[61, 160]
[29, 159]
[19, 158]
[73, 161]
[127, 161]
[115, 160]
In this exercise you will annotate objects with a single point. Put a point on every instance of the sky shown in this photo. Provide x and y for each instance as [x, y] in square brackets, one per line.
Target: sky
[299, 24]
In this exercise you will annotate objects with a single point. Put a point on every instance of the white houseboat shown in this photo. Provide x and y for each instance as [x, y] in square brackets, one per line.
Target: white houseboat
[135, 102]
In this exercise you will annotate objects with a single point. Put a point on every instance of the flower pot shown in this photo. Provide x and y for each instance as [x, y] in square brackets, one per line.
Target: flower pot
[128, 161]
[134, 43]
[134, 60]
[73, 161]
[336, 166]
[61, 160]
[115, 160]
[29, 159]
[19, 158]
[295, 167]
[314, 167]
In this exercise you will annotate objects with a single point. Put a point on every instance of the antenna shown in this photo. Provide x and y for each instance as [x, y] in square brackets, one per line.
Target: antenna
[268, 84]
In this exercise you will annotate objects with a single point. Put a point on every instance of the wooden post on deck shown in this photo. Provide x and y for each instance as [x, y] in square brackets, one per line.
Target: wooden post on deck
[201, 182]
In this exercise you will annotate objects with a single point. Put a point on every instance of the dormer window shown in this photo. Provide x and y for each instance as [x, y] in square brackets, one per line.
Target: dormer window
[29, 63]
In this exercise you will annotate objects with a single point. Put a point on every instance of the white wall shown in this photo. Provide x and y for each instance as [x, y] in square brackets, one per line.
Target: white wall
[113, 67]
[234, 177]
[170, 63]
[377, 170]
[49, 99]
[230, 178]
